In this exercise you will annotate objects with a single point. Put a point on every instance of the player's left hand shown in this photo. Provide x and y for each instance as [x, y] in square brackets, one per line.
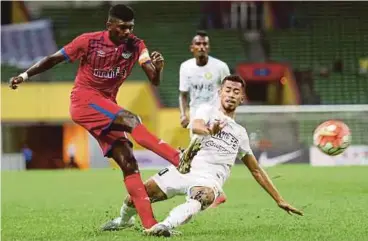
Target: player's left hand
[157, 60]
[288, 208]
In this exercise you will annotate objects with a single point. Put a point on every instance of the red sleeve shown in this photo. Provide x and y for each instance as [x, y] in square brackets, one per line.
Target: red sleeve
[143, 53]
[76, 48]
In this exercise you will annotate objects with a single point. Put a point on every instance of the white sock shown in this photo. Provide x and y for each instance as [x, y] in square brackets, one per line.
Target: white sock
[182, 213]
[126, 213]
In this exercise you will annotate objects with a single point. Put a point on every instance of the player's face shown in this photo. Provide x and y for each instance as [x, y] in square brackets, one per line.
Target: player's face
[120, 30]
[231, 94]
[200, 46]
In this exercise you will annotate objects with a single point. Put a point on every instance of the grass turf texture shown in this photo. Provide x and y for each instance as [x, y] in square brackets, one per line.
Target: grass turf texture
[71, 205]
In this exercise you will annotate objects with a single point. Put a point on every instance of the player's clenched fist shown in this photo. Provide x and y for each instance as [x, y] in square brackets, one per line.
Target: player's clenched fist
[15, 81]
[157, 60]
[184, 121]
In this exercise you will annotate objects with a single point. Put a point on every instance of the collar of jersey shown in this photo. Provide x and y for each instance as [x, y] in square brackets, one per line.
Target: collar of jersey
[227, 117]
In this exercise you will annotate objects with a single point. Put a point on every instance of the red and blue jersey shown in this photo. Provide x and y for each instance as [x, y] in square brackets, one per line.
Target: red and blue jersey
[103, 65]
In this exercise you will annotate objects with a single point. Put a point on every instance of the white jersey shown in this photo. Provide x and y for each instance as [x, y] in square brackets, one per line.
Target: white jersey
[221, 150]
[202, 82]
[224, 147]
[211, 166]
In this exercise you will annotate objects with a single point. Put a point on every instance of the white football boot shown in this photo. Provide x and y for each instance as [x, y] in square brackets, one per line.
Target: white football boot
[160, 229]
[117, 224]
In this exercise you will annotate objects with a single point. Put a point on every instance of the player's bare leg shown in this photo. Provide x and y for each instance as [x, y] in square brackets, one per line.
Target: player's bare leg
[219, 200]
[131, 123]
[185, 164]
[123, 155]
[200, 198]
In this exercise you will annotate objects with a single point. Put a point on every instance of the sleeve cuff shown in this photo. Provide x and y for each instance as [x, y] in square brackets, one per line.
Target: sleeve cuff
[65, 55]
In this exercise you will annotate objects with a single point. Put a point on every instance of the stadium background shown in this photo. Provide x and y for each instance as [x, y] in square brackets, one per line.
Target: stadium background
[312, 54]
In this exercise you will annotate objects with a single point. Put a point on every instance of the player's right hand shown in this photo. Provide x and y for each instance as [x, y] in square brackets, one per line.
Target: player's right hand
[217, 126]
[15, 81]
[288, 208]
[184, 121]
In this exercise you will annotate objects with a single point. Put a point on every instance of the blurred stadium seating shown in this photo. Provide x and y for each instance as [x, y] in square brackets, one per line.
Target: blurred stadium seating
[320, 37]
[335, 32]
[324, 43]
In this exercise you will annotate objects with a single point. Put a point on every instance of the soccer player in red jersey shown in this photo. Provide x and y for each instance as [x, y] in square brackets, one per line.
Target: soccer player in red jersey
[106, 60]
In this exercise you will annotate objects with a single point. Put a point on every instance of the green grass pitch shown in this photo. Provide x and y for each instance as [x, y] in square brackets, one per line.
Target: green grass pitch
[71, 205]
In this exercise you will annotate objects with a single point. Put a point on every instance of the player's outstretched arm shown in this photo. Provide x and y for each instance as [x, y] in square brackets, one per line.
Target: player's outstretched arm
[199, 127]
[153, 68]
[41, 66]
[263, 179]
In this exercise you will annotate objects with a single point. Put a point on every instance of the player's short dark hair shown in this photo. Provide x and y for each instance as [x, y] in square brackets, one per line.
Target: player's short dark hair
[234, 78]
[201, 33]
[121, 12]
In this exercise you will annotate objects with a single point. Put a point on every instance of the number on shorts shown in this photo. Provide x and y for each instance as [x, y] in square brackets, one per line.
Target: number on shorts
[163, 171]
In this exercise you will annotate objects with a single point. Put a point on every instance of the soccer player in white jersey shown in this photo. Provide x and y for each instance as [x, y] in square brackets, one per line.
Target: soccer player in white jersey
[222, 141]
[200, 78]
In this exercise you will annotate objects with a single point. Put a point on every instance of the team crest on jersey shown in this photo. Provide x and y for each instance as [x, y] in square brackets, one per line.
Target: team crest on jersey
[101, 53]
[126, 55]
[208, 75]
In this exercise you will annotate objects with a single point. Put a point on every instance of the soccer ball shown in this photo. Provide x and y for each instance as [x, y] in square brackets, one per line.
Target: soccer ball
[332, 137]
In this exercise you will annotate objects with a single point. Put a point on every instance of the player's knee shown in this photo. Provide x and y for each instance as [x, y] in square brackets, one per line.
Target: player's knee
[204, 195]
[129, 166]
[127, 119]
[154, 191]
[123, 156]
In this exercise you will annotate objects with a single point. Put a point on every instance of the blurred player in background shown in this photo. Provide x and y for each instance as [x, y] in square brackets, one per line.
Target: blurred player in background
[106, 60]
[200, 77]
[222, 141]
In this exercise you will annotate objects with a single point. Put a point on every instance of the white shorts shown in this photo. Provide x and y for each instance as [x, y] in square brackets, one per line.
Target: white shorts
[173, 183]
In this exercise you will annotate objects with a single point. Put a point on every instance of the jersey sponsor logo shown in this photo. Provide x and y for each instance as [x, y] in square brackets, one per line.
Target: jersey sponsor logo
[228, 138]
[264, 160]
[218, 146]
[200, 87]
[109, 74]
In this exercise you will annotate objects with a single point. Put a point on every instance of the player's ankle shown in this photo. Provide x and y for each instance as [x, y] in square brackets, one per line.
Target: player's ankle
[149, 224]
[167, 224]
